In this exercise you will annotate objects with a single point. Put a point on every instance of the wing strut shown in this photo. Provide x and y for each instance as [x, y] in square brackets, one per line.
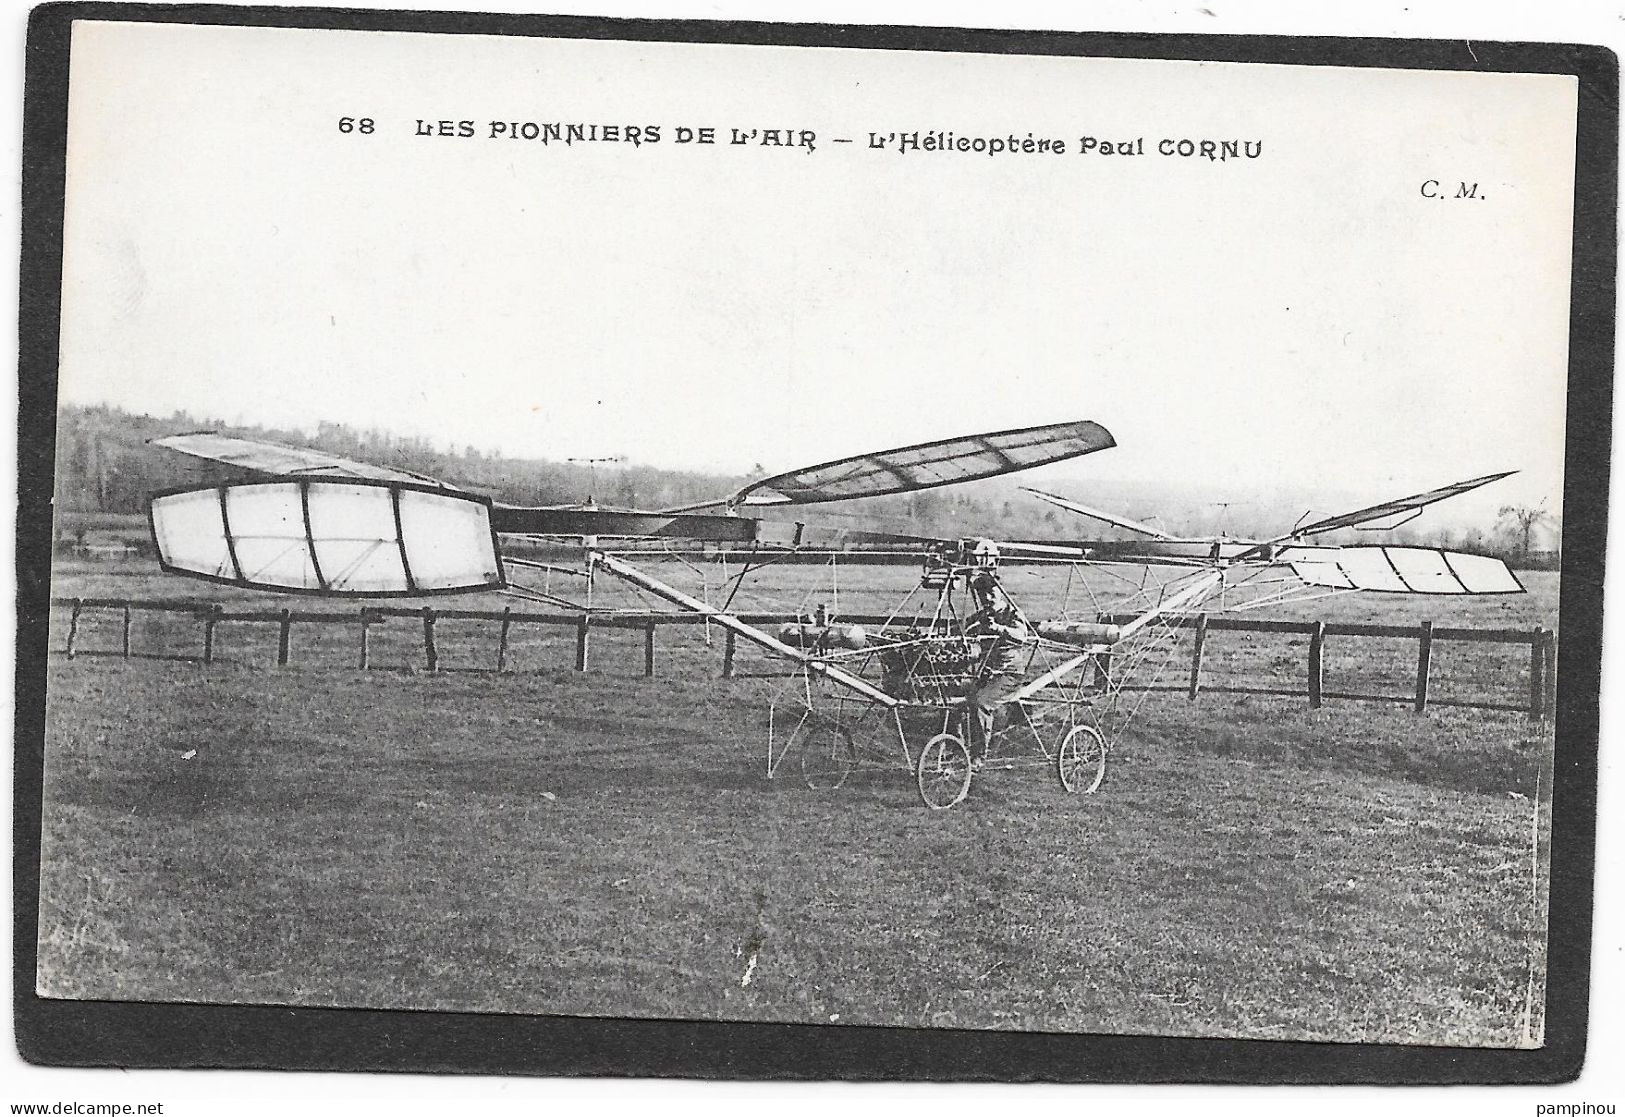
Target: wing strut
[727, 620]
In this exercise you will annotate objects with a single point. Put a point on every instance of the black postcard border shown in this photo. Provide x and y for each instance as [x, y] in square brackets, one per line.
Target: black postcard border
[132, 1034]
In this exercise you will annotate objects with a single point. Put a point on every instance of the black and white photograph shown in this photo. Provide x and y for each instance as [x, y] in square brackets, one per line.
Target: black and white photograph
[947, 534]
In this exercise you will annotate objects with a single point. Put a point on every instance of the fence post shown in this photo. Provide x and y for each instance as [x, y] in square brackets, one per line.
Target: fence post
[210, 619]
[1196, 653]
[583, 626]
[648, 649]
[1317, 647]
[284, 632]
[502, 639]
[1424, 659]
[431, 654]
[728, 656]
[366, 634]
[126, 632]
[73, 624]
[1537, 672]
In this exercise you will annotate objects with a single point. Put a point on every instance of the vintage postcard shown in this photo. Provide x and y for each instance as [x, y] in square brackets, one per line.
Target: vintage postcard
[750, 525]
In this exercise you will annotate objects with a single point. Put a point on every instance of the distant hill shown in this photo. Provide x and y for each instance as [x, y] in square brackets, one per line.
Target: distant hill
[104, 465]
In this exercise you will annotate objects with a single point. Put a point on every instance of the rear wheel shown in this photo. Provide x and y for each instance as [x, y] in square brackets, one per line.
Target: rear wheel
[827, 756]
[1080, 762]
[943, 772]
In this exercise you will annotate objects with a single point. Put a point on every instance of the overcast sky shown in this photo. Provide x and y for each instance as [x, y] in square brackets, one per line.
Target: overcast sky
[1308, 314]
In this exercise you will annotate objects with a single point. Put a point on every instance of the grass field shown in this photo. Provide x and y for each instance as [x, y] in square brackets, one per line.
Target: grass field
[601, 843]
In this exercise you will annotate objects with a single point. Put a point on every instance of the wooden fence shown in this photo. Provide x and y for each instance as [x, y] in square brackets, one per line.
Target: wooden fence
[1541, 642]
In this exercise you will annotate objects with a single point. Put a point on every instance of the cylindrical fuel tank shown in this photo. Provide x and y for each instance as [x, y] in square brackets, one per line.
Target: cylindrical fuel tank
[1081, 633]
[849, 637]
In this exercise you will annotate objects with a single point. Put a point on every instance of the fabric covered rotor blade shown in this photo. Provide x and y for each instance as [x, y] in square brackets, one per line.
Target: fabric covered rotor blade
[274, 460]
[1393, 507]
[1380, 569]
[329, 537]
[929, 464]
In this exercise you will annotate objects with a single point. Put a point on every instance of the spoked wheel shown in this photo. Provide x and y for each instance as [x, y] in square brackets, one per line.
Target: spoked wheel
[827, 756]
[943, 771]
[1081, 760]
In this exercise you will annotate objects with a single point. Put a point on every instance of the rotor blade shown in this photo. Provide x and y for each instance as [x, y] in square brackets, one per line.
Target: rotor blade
[1392, 508]
[1384, 569]
[929, 464]
[328, 536]
[1095, 514]
[274, 460]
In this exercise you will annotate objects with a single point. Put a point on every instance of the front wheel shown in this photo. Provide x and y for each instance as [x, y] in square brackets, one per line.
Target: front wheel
[943, 772]
[1080, 762]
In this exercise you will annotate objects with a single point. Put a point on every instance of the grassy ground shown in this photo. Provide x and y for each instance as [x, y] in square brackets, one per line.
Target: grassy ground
[605, 844]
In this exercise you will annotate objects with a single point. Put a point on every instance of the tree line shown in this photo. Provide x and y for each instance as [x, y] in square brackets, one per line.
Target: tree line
[104, 465]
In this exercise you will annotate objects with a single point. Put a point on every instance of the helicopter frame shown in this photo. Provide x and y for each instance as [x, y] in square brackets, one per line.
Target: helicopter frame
[899, 697]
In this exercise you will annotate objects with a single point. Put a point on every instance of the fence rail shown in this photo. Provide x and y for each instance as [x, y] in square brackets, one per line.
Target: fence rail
[1542, 642]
